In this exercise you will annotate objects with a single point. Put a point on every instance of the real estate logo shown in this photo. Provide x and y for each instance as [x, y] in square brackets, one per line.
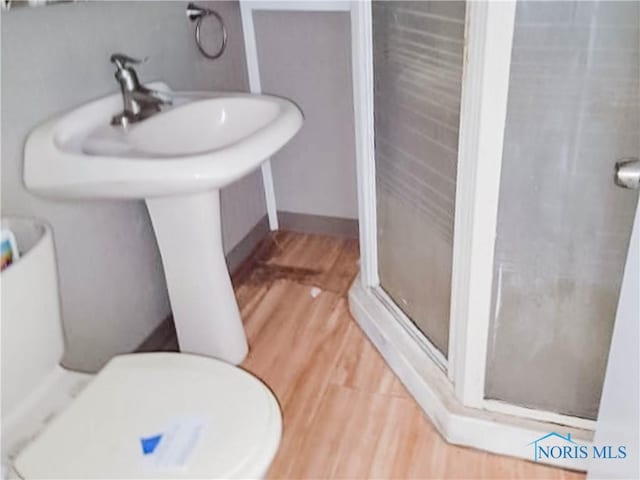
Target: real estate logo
[555, 446]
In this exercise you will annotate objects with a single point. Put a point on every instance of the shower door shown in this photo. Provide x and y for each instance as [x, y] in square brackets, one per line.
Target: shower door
[418, 58]
[563, 227]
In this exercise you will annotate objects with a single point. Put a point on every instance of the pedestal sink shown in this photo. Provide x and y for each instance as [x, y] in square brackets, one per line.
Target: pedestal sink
[176, 161]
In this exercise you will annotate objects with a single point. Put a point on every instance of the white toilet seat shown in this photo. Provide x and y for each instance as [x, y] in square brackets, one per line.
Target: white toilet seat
[175, 395]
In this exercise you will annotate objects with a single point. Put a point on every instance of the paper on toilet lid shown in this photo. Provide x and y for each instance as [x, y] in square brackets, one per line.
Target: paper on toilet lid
[160, 415]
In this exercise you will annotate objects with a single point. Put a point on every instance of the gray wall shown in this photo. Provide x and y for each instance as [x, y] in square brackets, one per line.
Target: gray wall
[54, 58]
[563, 227]
[306, 56]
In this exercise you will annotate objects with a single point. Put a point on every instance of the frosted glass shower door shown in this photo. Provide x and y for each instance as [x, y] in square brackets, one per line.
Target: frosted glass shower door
[563, 226]
[418, 57]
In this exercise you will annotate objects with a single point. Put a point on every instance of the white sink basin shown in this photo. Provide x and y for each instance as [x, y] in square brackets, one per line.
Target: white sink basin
[177, 161]
[203, 141]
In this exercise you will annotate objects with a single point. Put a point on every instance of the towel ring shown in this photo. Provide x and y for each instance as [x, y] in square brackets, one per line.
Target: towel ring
[197, 14]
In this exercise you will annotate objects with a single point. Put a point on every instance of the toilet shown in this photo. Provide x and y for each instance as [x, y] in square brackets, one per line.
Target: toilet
[147, 415]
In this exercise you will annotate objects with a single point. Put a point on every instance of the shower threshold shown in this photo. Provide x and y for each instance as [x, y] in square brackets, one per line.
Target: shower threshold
[423, 374]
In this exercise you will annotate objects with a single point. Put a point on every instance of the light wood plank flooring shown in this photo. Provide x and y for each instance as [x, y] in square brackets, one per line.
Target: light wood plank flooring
[345, 413]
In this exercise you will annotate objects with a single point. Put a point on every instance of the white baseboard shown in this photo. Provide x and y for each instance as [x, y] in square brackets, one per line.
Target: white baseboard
[490, 431]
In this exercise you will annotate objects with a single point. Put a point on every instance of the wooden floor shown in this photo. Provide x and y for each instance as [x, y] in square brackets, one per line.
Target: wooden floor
[345, 413]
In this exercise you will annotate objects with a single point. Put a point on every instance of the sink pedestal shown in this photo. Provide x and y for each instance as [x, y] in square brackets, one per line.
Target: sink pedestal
[177, 160]
[189, 234]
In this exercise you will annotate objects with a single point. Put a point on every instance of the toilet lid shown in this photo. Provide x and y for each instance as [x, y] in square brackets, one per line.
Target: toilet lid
[160, 415]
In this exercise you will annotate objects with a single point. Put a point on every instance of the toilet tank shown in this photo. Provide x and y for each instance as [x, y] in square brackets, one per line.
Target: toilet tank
[32, 336]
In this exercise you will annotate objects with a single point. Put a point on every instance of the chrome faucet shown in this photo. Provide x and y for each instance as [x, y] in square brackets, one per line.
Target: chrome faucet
[139, 101]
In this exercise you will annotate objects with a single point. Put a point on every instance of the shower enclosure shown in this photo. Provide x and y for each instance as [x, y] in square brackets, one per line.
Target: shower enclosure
[418, 49]
[493, 238]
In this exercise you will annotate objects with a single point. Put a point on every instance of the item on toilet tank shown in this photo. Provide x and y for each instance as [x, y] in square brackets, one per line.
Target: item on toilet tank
[9, 248]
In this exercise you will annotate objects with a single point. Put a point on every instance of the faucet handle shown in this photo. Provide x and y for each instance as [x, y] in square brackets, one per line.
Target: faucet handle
[121, 60]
